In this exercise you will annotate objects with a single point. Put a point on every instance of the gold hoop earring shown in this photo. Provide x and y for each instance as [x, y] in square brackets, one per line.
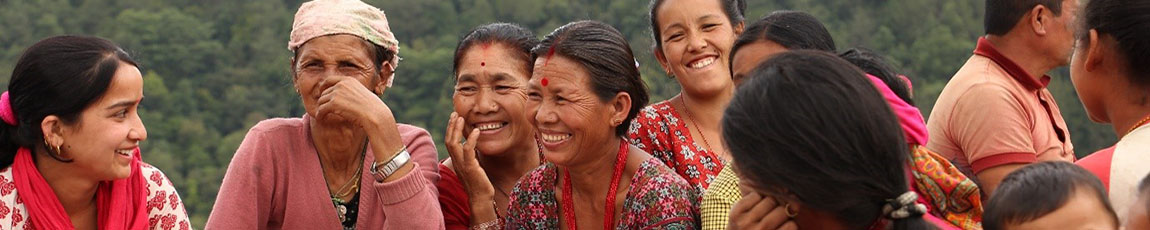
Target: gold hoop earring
[787, 209]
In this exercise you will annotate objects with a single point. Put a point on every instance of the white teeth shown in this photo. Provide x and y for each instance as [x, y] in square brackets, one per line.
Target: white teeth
[125, 152]
[554, 138]
[489, 126]
[702, 63]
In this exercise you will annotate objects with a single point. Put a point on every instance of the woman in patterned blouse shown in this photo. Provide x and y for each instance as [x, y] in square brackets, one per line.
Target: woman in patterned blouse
[69, 143]
[692, 43]
[586, 88]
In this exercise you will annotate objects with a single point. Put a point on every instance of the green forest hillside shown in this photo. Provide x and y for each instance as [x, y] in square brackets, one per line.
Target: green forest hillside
[213, 68]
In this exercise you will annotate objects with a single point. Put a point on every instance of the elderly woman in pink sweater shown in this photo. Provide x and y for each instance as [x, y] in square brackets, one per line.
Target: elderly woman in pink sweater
[346, 163]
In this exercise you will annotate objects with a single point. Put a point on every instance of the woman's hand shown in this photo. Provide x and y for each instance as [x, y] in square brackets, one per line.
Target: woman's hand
[755, 211]
[348, 100]
[464, 160]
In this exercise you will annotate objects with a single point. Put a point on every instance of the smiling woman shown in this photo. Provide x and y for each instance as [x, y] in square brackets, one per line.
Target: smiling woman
[692, 43]
[585, 88]
[492, 66]
[69, 143]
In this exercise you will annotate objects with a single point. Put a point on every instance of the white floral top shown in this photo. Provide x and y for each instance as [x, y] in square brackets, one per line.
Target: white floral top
[165, 209]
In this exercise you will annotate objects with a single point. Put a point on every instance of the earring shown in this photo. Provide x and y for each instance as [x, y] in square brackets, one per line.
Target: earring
[54, 148]
[787, 209]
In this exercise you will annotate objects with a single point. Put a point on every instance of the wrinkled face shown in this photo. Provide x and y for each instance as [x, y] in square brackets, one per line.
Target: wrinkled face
[1082, 211]
[570, 118]
[696, 38]
[491, 95]
[1062, 31]
[750, 56]
[1138, 217]
[333, 57]
[1090, 86]
[104, 140]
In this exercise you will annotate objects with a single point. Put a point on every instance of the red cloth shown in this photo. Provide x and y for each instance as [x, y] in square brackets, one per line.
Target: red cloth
[120, 203]
[1099, 164]
[453, 200]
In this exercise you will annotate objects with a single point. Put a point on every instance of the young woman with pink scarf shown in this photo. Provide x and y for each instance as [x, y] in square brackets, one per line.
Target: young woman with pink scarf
[69, 143]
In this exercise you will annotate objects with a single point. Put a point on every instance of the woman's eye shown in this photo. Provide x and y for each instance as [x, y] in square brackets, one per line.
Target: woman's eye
[709, 27]
[674, 37]
[503, 88]
[122, 114]
[467, 89]
[534, 96]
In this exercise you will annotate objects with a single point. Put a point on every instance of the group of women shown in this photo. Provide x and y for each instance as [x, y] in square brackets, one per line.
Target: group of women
[772, 130]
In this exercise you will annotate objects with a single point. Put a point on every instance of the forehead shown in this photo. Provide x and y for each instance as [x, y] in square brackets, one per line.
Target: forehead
[559, 71]
[688, 10]
[335, 46]
[751, 55]
[493, 58]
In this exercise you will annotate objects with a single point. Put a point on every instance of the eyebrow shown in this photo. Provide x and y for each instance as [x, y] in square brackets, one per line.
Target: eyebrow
[466, 77]
[124, 103]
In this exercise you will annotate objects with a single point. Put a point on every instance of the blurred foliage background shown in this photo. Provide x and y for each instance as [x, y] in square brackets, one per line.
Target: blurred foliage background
[213, 68]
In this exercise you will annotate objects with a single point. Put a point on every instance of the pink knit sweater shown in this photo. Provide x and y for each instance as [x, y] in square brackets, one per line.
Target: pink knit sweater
[275, 182]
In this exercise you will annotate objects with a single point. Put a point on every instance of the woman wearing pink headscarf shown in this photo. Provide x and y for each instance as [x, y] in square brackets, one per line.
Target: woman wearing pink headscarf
[346, 163]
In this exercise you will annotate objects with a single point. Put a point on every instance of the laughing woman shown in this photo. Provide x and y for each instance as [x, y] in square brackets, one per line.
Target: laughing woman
[69, 143]
[346, 164]
[692, 43]
[492, 67]
[587, 89]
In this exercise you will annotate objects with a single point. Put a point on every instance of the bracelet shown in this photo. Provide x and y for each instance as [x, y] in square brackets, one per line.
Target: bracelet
[497, 223]
[382, 170]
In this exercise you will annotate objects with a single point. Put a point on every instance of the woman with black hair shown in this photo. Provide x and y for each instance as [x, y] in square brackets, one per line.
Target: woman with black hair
[586, 88]
[1111, 73]
[946, 192]
[69, 143]
[492, 67]
[813, 135]
[692, 41]
[776, 33]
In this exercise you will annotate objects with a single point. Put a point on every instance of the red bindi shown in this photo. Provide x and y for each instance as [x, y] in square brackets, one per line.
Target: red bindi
[543, 82]
[483, 64]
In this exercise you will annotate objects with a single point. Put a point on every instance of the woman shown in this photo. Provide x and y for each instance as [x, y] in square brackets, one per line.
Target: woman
[776, 33]
[1138, 216]
[1050, 195]
[1111, 73]
[307, 172]
[587, 88]
[692, 40]
[69, 143]
[812, 114]
[492, 69]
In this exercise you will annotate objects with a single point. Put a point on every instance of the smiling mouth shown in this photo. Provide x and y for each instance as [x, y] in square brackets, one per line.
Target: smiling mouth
[554, 138]
[704, 62]
[490, 126]
[125, 152]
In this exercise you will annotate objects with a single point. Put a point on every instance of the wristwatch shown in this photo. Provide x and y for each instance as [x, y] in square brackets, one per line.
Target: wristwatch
[382, 171]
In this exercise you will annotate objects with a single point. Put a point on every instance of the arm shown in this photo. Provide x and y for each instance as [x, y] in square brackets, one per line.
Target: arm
[991, 177]
[411, 201]
[244, 199]
[993, 130]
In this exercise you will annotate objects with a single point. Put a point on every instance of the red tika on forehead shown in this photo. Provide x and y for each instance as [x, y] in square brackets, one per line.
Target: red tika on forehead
[550, 53]
[543, 82]
[482, 63]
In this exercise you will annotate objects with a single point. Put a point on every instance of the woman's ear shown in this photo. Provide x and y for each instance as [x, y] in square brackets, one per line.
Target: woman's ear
[53, 130]
[659, 57]
[386, 73]
[739, 28]
[1094, 53]
[621, 106]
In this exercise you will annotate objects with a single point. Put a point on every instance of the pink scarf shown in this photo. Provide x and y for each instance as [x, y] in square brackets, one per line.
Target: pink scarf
[913, 125]
[120, 203]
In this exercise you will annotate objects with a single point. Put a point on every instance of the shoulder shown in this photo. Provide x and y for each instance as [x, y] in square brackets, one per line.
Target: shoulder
[654, 113]
[163, 202]
[659, 197]
[13, 213]
[654, 175]
[279, 126]
[410, 131]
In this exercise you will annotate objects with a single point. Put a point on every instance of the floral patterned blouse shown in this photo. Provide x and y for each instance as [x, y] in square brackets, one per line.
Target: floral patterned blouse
[165, 209]
[657, 198]
[659, 130]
